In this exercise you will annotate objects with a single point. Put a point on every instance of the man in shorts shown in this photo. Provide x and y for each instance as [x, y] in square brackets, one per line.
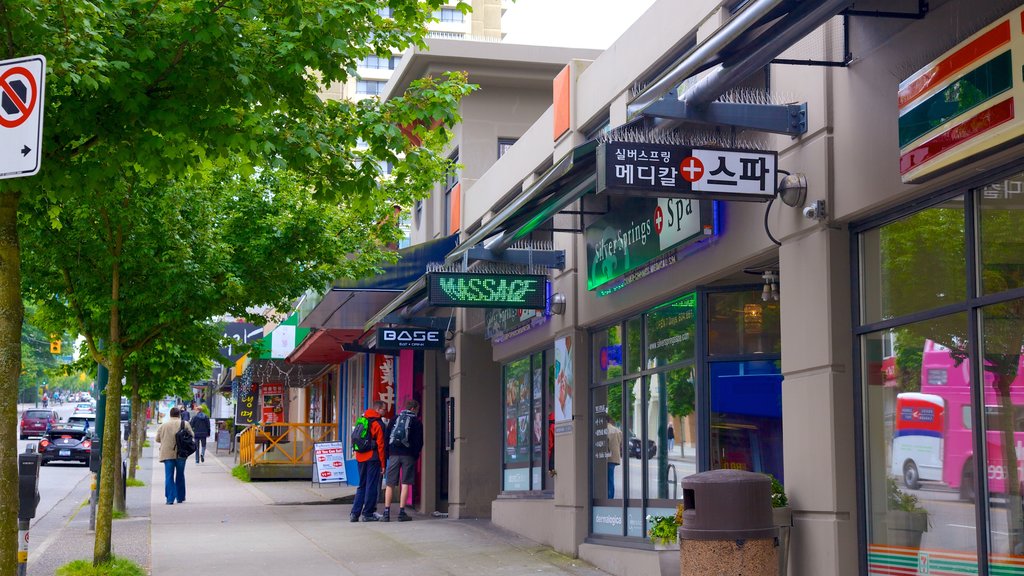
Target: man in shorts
[405, 441]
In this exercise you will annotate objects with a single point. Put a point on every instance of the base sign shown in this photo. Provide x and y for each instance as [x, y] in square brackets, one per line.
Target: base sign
[329, 462]
[410, 338]
[22, 82]
[671, 171]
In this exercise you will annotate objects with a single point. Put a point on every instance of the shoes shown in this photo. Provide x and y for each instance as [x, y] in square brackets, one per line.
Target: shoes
[170, 503]
[202, 458]
[386, 517]
[181, 501]
[353, 518]
[403, 517]
[372, 518]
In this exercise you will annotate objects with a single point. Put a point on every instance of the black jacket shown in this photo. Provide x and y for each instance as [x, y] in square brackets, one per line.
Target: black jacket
[415, 438]
[200, 425]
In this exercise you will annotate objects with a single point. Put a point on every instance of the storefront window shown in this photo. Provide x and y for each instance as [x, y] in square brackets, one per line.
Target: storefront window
[933, 397]
[746, 417]
[639, 419]
[527, 436]
[915, 263]
[742, 323]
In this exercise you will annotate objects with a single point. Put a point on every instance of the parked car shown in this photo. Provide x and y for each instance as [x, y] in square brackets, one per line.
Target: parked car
[634, 448]
[69, 442]
[36, 422]
[126, 410]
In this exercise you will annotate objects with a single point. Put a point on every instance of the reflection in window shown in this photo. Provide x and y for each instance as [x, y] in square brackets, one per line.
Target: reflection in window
[742, 323]
[1001, 218]
[915, 263]
[746, 417]
[1002, 341]
[918, 440]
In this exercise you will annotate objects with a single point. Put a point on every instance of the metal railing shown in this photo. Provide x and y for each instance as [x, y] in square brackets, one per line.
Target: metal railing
[283, 443]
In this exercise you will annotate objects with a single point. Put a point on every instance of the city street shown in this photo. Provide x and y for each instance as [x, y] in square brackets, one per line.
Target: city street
[56, 480]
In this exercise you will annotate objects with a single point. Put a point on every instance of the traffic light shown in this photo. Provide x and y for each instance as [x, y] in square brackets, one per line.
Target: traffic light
[54, 345]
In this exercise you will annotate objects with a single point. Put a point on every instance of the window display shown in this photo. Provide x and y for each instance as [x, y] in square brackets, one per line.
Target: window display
[527, 439]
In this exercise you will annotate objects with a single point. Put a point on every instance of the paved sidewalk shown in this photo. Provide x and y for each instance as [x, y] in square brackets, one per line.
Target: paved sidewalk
[229, 528]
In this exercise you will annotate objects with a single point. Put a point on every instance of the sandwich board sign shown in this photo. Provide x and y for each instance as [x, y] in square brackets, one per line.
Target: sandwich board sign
[329, 462]
[22, 83]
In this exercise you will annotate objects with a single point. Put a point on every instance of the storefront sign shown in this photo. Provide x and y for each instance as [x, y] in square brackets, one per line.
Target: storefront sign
[643, 169]
[963, 103]
[384, 382]
[637, 232]
[245, 409]
[564, 383]
[500, 324]
[414, 338]
[467, 290]
[329, 462]
[273, 403]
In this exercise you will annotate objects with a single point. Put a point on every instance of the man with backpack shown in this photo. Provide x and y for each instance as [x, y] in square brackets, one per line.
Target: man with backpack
[370, 450]
[405, 440]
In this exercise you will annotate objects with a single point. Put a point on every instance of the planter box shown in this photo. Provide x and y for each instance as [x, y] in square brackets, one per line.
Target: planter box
[783, 519]
[905, 528]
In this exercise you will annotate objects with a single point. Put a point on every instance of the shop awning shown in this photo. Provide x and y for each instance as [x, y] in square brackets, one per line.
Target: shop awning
[348, 304]
[565, 182]
[324, 346]
[264, 371]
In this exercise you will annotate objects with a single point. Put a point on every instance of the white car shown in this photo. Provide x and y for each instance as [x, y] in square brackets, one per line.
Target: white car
[85, 408]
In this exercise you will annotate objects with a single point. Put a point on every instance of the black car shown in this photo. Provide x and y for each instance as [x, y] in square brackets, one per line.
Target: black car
[634, 448]
[126, 410]
[66, 443]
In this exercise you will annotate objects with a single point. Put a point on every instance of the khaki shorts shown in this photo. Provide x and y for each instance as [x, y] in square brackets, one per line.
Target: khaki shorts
[400, 463]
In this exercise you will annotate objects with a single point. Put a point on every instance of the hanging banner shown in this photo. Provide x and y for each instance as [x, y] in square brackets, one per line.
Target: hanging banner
[665, 170]
[639, 230]
[272, 396]
[245, 409]
[384, 382]
[563, 379]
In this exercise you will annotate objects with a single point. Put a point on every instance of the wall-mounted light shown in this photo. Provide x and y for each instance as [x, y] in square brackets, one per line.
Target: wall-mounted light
[793, 189]
[558, 303]
[449, 353]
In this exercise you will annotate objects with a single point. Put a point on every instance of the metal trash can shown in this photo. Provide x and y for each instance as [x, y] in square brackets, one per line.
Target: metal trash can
[727, 525]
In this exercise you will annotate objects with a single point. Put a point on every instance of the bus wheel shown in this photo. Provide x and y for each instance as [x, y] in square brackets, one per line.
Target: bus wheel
[911, 478]
[967, 490]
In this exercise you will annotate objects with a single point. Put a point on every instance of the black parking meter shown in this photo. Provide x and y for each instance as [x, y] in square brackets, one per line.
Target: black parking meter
[96, 454]
[28, 485]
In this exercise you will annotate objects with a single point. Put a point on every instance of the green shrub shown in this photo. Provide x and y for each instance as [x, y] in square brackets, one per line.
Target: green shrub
[135, 483]
[146, 444]
[118, 515]
[116, 567]
[241, 472]
[779, 499]
[665, 529]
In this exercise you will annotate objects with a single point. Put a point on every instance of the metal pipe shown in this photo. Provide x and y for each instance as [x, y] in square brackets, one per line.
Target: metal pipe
[770, 44]
[721, 38]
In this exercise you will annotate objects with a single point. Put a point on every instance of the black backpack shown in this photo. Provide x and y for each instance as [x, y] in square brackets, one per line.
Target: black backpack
[400, 431]
[362, 438]
[184, 442]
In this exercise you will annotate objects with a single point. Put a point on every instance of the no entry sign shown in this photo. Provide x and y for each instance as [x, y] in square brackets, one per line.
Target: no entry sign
[21, 115]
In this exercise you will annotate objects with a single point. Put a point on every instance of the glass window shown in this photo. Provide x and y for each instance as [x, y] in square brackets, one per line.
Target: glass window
[449, 15]
[375, 63]
[742, 323]
[671, 330]
[920, 481]
[1002, 336]
[914, 264]
[1001, 218]
[528, 432]
[634, 346]
[370, 87]
[608, 353]
[504, 144]
[746, 416]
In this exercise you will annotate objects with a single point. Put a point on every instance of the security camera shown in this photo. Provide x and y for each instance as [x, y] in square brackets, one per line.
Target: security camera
[815, 210]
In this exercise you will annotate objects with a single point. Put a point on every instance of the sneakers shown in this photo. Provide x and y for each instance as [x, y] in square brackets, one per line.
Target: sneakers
[353, 518]
[372, 518]
[403, 517]
[202, 458]
[386, 517]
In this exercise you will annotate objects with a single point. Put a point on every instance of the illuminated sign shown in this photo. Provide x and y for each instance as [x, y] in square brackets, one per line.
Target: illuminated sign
[468, 290]
[417, 338]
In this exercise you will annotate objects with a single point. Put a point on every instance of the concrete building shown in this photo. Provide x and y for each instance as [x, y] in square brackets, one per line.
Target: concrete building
[859, 339]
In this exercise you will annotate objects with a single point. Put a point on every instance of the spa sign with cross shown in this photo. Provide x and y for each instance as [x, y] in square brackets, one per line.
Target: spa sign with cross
[665, 170]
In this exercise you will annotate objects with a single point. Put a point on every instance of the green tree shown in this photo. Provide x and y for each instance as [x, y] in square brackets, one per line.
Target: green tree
[158, 95]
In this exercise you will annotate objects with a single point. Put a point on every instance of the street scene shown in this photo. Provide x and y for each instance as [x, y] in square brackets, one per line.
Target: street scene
[580, 287]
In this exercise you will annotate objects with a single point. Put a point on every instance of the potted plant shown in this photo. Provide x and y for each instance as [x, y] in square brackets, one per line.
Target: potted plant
[782, 516]
[664, 530]
[906, 520]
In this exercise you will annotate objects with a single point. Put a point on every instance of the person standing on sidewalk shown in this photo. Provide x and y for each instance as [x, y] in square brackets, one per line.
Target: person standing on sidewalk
[370, 456]
[174, 467]
[405, 440]
[201, 428]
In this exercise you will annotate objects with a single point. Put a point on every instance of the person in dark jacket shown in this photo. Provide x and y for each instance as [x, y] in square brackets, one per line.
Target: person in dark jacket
[402, 459]
[371, 466]
[201, 429]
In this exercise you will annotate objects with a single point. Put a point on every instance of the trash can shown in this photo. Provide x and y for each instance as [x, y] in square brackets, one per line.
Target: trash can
[727, 525]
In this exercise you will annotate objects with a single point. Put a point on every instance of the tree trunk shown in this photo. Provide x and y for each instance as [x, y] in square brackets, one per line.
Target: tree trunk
[119, 488]
[138, 435]
[11, 315]
[111, 433]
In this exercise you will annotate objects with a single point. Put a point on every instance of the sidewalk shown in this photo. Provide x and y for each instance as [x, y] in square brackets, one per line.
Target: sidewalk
[233, 528]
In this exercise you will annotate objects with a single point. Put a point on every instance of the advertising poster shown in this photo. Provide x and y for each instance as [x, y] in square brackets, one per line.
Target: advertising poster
[329, 462]
[272, 396]
[245, 409]
[563, 379]
[384, 382]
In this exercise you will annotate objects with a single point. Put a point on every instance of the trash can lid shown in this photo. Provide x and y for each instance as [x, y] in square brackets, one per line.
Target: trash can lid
[727, 505]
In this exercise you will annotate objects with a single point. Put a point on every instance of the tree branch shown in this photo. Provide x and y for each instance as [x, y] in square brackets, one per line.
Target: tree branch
[80, 316]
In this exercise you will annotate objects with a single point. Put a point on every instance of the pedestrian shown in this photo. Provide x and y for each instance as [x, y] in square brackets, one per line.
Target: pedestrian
[174, 467]
[405, 441]
[201, 428]
[671, 438]
[371, 455]
[185, 414]
[614, 454]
